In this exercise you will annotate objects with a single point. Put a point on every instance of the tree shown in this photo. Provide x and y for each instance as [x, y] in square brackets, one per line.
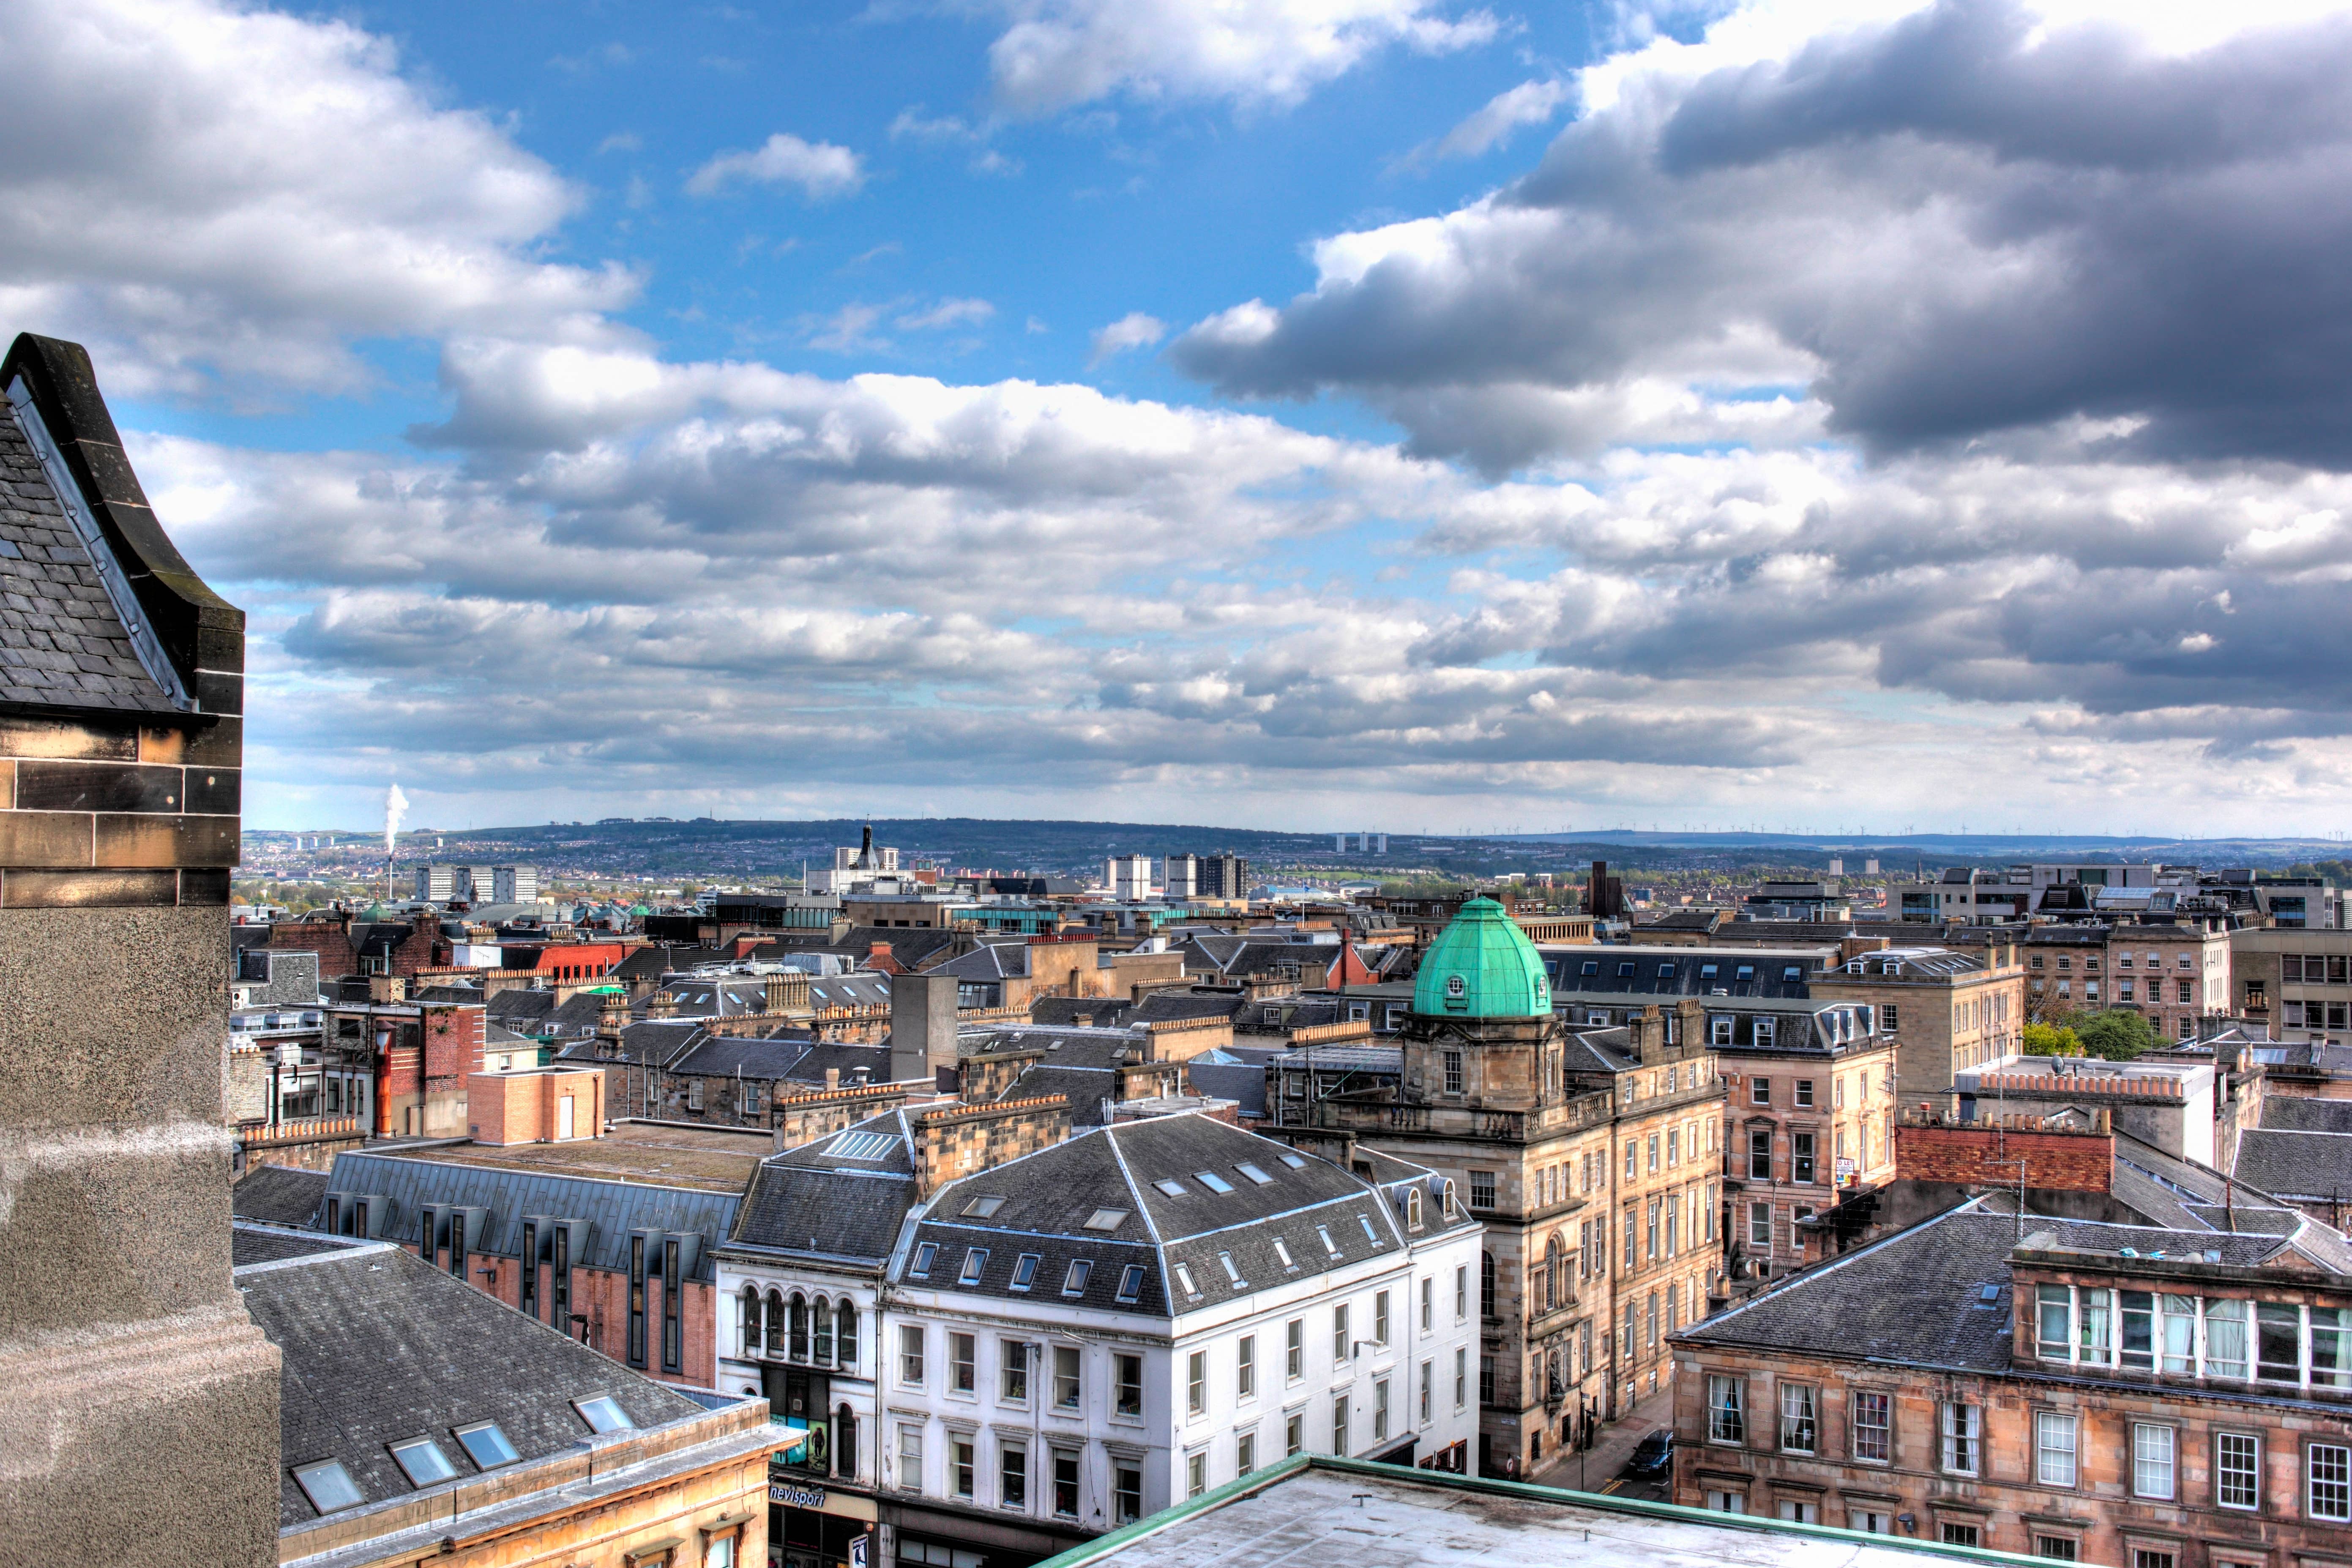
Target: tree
[2051, 1040]
[2117, 1034]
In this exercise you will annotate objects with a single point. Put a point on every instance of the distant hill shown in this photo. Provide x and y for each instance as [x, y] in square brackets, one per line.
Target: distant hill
[709, 849]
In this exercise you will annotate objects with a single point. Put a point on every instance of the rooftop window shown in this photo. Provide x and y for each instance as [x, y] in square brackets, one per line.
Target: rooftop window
[1296, 1162]
[982, 1209]
[487, 1445]
[975, 1258]
[1025, 1270]
[1184, 1280]
[1131, 1283]
[328, 1485]
[1232, 1273]
[1105, 1219]
[604, 1414]
[921, 1267]
[1171, 1185]
[1073, 1283]
[1254, 1172]
[1330, 1246]
[1212, 1181]
[1282, 1250]
[860, 1146]
[1369, 1235]
[423, 1461]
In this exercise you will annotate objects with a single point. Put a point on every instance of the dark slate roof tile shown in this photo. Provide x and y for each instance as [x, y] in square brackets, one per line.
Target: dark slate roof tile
[379, 1347]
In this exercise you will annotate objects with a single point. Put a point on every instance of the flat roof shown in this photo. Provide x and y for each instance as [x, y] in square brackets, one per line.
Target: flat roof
[666, 1154]
[1313, 1508]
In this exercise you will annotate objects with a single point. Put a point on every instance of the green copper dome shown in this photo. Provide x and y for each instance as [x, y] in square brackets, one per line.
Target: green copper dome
[1482, 966]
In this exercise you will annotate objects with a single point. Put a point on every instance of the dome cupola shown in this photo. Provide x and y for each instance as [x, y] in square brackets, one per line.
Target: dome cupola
[1482, 966]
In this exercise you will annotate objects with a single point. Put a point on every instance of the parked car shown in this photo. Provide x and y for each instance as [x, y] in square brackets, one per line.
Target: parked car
[1653, 1455]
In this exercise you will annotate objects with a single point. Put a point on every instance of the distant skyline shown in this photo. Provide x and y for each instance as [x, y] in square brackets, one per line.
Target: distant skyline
[1426, 416]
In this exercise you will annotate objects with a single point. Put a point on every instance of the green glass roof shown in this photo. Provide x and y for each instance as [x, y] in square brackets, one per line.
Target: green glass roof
[1482, 966]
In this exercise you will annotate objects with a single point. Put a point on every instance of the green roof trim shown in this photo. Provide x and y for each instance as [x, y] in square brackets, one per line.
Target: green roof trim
[1104, 1547]
[1482, 966]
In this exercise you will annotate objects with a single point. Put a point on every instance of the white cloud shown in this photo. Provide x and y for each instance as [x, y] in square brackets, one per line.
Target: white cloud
[820, 169]
[1133, 331]
[1956, 223]
[948, 313]
[1491, 125]
[1057, 54]
[205, 192]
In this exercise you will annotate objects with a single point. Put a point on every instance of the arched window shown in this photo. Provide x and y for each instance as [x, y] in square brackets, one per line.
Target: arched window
[775, 1323]
[824, 1332]
[1486, 1284]
[845, 1441]
[1413, 1207]
[751, 1320]
[798, 1308]
[1450, 1201]
[844, 1334]
[1554, 1288]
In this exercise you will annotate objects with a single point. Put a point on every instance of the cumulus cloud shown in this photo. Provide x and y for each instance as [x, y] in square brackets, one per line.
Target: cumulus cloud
[1057, 54]
[207, 194]
[1965, 222]
[1133, 331]
[1733, 541]
[1491, 125]
[820, 169]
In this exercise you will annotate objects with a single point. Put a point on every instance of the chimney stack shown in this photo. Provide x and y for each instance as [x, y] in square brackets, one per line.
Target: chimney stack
[923, 1026]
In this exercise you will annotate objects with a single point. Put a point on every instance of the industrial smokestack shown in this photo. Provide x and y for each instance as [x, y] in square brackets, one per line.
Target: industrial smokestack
[395, 806]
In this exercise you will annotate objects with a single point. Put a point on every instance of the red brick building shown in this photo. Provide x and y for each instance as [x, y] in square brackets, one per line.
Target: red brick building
[420, 1054]
[348, 945]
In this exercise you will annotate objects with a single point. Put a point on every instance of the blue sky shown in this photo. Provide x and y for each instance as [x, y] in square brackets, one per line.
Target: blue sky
[1417, 414]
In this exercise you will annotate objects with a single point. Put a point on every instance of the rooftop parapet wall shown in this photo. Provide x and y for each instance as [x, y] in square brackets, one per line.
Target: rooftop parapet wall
[1975, 1154]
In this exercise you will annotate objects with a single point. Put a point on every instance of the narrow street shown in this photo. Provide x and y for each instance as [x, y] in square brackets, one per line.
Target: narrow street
[1601, 1469]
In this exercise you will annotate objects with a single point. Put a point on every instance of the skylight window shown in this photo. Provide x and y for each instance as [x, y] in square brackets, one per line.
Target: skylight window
[975, 1258]
[1745, 971]
[1282, 1250]
[1626, 969]
[1369, 1233]
[1212, 1181]
[1184, 1279]
[604, 1414]
[983, 1208]
[1232, 1273]
[921, 1267]
[1296, 1162]
[1131, 1283]
[328, 1485]
[1591, 966]
[1254, 1172]
[1707, 971]
[1330, 1246]
[1105, 1219]
[1171, 1185]
[422, 1460]
[1073, 1283]
[1025, 1270]
[487, 1444]
[860, 1146]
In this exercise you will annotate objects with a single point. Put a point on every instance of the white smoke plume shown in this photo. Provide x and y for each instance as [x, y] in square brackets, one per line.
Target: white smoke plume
[395, 806]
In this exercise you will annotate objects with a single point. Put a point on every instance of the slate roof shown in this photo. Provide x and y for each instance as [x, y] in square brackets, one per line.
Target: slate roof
[612, 1209]
[1162, 1007]
[2296, 1113]
[278, 1194]
[1240, 1082]
[989, 960]
[658, 1043]
[1682, 971]
[517, 1005]
[62, 642]
[1915, 1296]
[2295, 1165]
[815, 1200]
[1048, 1196]
[379, 1347]
[249, 1244]
[1107, 1011]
